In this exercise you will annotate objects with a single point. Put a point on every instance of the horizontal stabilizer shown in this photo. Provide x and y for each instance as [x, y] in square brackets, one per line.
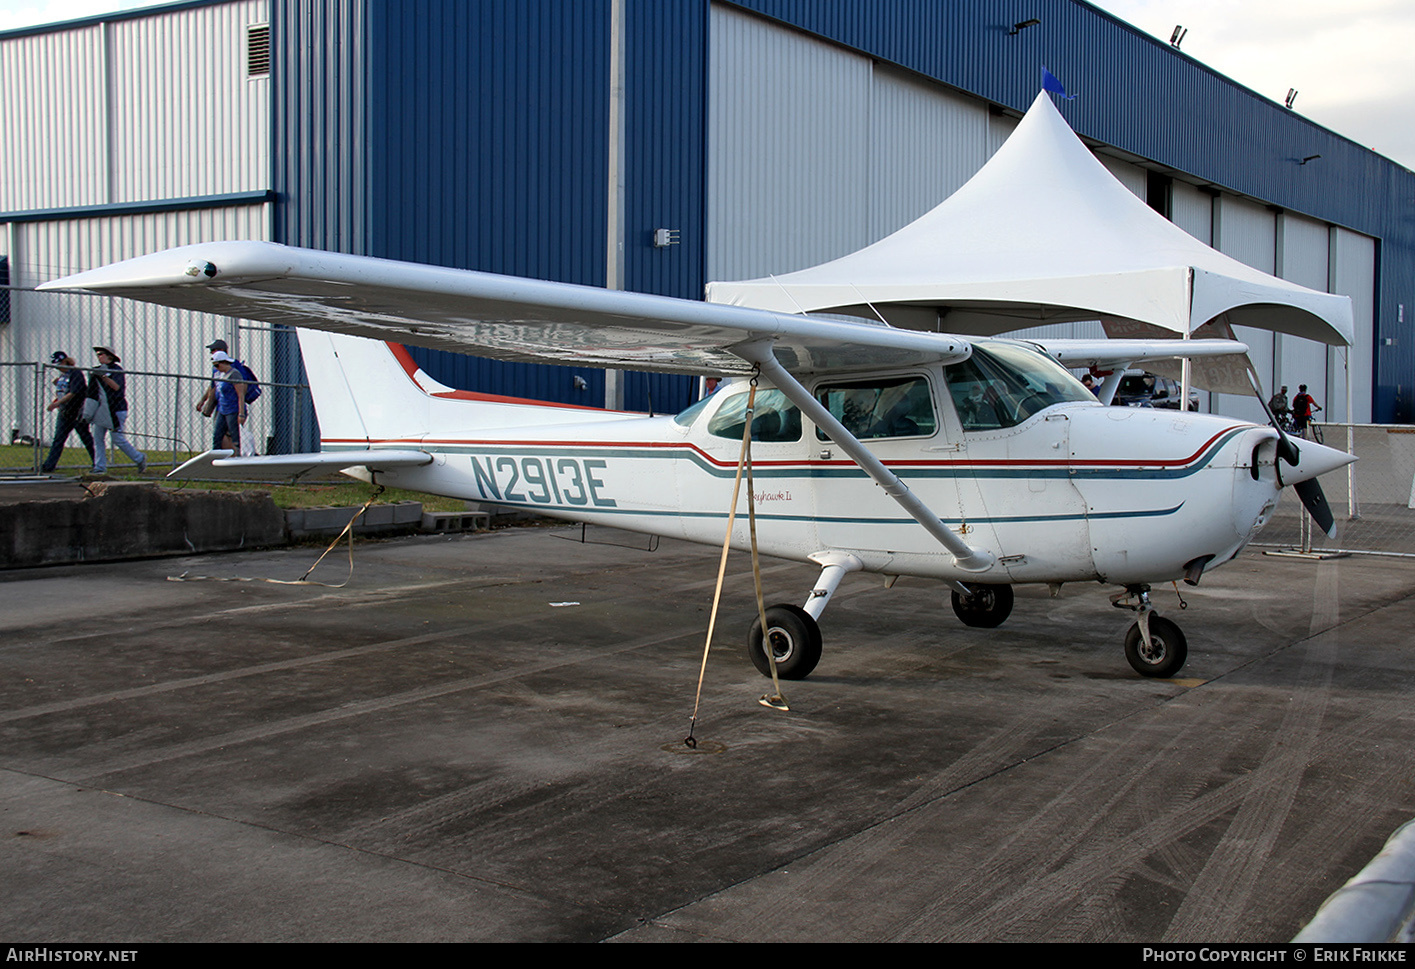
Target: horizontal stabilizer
[226, 466]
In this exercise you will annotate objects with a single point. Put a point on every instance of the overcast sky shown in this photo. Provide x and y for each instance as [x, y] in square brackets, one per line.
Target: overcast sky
[1351, 61]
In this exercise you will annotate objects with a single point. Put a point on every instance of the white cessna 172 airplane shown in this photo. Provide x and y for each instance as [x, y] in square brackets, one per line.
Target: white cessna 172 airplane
[980, 462]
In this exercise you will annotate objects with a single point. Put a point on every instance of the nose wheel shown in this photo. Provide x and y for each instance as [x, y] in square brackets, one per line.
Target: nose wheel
[795, 642]
[1154, 646]
[1163, 655]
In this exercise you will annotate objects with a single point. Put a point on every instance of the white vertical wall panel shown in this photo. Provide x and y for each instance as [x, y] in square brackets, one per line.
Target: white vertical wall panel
[1131, 176]
[1000, 128]
[1353, 273]
[186, 119]
[1301, 257]
[789, 156]
[1247, 232]
[1192, 210]
[134, 110]
[926, 142]
[53, 120]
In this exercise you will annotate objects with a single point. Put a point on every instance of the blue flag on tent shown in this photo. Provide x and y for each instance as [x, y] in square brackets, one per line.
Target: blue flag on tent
[1050, 83]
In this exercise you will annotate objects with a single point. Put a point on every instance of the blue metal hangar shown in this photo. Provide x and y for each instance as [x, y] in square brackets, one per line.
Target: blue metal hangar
[652, 145]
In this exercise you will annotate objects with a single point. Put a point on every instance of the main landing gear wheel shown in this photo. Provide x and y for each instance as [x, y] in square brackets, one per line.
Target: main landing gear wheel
[795, 642]
[1166, 653]
[988, 606]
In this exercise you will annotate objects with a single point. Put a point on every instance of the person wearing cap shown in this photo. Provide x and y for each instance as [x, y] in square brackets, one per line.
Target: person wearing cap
[71, 389]
[207, 404]
[230, 401]
[109, 387]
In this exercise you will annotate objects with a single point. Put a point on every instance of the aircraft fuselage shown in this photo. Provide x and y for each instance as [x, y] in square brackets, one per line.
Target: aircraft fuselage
[1075, 491]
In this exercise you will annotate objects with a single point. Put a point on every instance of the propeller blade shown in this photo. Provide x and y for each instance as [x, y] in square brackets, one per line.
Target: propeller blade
[1285, 448]
[1316, 504]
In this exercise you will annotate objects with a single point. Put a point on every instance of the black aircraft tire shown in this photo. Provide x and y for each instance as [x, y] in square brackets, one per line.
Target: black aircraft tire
[987, 608]
[1168, 650]
[796, 642]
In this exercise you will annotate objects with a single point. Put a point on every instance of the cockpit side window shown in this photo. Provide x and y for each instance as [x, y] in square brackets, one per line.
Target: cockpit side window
[882, 407]
[1002, 384]
[774, 419]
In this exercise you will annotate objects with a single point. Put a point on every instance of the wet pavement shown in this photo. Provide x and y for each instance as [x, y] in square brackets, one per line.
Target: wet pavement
[479, 738]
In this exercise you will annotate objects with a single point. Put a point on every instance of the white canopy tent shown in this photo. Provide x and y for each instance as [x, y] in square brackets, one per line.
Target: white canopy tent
[1043, 233]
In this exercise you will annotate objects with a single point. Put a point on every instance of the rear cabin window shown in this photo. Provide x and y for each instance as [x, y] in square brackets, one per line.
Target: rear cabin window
[774, 418]
[879, 408]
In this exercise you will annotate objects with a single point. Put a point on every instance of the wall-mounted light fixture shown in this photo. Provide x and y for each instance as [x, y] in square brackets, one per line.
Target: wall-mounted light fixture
[1291, 96]
[1022, 25]
[1177, 38]
[663, 238]
[1309, 158]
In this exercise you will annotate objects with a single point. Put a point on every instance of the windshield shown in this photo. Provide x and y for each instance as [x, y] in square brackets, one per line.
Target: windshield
[687, 417]
[1003, 384]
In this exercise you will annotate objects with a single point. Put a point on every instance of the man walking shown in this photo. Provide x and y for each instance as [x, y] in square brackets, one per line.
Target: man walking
[71, 388]
[230, 401]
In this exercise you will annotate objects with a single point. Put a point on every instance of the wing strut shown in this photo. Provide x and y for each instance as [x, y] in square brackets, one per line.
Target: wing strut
[965, 556]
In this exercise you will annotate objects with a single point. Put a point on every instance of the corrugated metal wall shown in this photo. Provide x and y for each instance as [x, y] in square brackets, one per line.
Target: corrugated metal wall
[106, 122]
[925, 141]
[475, 136]
[817, 151]
[789, 126]
[1353, 263]
[128, 110]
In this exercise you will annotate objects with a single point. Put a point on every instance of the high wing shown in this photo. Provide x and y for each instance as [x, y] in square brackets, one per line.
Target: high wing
[226, 466]
[502, 317]
[530, 320]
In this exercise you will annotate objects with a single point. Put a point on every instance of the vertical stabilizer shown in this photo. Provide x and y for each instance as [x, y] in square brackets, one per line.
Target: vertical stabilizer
[367, 393]
[361, 393]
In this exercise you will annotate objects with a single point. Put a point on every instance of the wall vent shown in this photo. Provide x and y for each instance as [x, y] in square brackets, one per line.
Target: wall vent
[257, 50]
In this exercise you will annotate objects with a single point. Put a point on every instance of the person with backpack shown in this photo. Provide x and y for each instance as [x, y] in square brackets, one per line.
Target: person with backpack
[1303, 408]
[231, 402]
[233, 388]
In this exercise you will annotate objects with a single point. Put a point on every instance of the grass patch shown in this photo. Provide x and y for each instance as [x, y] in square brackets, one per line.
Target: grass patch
[316, 494]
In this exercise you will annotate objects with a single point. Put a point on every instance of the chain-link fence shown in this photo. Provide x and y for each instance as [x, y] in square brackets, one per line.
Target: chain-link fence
[163, 418]
[167, 369]
[1373, 500]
